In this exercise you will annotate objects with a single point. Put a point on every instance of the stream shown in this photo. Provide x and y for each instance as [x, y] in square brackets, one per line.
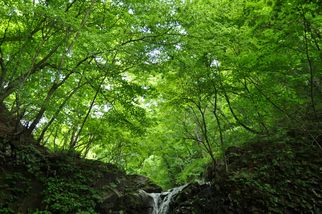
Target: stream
[161, 201]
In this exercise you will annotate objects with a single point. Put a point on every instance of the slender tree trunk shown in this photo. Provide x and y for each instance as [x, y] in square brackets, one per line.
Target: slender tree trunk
[87, 114]
[61, 106]
[88, 146]
[204, 129]
[260, 118]
[230, 107]
[310, 65]
[235, 116]
[219, 127]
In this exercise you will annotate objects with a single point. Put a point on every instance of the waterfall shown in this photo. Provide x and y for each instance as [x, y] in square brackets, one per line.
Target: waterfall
[161, 201]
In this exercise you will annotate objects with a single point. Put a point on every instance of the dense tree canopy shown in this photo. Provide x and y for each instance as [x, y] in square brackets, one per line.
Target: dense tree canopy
[160, 87]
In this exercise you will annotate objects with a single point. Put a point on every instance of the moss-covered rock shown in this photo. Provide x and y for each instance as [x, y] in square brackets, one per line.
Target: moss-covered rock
[263, 177]
[33, 179]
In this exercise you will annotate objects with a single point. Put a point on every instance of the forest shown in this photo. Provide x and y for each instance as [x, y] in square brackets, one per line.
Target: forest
[104, 103]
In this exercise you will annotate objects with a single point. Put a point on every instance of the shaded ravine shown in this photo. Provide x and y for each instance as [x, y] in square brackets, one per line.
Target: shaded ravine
[161, 201]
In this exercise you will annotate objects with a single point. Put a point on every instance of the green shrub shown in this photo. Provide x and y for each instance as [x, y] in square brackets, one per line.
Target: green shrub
[68, 196]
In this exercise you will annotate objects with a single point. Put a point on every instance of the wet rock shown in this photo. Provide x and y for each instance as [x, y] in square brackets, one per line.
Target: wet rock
[144, 183]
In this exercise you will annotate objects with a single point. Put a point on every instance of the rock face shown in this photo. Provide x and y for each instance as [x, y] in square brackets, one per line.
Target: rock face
[135, 202]
[144, 183]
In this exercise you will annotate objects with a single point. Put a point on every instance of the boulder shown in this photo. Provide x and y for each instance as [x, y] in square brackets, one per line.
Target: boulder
[144, 183]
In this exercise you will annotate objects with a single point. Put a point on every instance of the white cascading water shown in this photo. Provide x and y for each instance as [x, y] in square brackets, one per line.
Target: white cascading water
[161, 201]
